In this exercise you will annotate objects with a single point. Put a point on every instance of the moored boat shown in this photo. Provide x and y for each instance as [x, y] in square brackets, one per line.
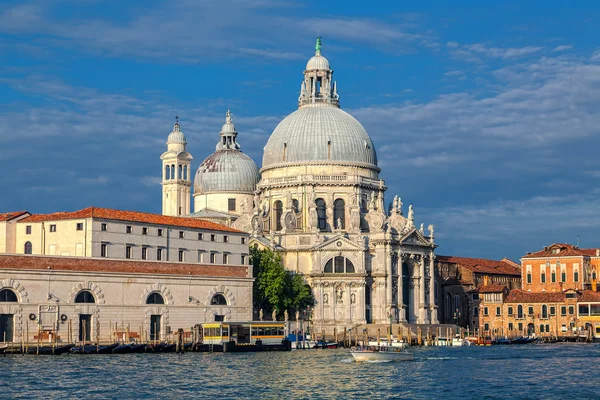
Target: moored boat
[380, 353]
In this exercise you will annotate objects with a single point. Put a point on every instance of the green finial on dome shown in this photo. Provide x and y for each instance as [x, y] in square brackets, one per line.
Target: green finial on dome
[319, 45]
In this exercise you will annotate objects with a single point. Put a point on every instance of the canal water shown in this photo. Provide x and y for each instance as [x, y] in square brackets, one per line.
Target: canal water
[534, 371]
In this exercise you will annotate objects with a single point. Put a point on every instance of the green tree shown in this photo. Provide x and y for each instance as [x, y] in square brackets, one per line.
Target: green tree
[276, 288]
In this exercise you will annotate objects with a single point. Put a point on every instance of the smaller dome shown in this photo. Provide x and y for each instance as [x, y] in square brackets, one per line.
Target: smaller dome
[317, 62]
[229, 171]
[176, 136]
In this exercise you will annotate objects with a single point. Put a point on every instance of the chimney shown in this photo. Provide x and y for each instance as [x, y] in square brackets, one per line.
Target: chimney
[486, 280]
[597, 252]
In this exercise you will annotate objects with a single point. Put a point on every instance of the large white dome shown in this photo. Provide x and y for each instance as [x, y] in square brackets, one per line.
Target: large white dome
[319, 134]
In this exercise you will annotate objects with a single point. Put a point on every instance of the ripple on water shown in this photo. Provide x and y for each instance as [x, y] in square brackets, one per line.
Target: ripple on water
[532, 371]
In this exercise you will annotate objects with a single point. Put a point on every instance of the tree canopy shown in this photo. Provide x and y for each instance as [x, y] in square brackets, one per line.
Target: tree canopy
[276, 288]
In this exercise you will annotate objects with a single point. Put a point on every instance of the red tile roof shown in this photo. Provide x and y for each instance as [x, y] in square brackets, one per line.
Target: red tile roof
[131, 216]
[522, 296]
[566, 250]
[589, 295]
[11, 215]
[491, 289]
[27, 262]
[481, 265]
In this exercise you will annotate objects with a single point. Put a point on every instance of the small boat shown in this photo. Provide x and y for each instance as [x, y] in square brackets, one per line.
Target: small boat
[93, 349]
[138, 348]
[381, 353]
[3, 349]
[50, 350]
[122, 349]
[326, 345]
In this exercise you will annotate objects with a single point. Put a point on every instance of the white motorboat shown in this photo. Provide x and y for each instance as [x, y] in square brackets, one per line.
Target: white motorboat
[380, 353]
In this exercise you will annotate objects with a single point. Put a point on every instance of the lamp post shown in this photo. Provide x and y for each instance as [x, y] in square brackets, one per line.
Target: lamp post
[456, 320]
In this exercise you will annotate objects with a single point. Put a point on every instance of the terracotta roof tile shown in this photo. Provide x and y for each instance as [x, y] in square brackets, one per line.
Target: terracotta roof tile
[131, 216]
[11, 215]
[589, 295]
[521, 296]
[27, 262]
[482, 265]
[566, 250]
[491, 289]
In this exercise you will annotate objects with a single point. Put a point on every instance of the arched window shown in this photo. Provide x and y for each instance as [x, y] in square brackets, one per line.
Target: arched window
[185, 172]
[295, 206]
[321, 215]
[339, 214]
[593, 274]
[544, 311]
[180, 172]
[155, 298]
[85, 296]
[167, 172]
[339, 265]
[172, 171]
[218, 300]
[28, 248]
[8, 296]
[519, 311]
[278, 213]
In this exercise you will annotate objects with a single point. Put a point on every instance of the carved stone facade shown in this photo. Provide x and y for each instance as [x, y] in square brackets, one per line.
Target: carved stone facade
[320, 203]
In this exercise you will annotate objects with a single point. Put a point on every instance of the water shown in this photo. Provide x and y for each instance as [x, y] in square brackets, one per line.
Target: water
[528, 371]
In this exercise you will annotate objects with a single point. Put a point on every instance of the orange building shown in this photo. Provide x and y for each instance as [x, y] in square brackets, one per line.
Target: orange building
[558, 299]
[560, 267]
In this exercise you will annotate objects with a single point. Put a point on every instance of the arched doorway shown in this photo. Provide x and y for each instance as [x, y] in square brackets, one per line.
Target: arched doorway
[530, 330]
[7, 320]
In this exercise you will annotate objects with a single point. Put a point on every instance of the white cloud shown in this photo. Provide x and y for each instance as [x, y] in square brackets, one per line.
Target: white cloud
[475, 52]
[562, 48]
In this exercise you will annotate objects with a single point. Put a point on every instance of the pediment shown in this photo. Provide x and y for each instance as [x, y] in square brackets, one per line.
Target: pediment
[414, 237]
[339, 243]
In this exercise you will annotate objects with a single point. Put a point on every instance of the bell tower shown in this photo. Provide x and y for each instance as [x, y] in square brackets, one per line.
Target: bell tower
[176, 174]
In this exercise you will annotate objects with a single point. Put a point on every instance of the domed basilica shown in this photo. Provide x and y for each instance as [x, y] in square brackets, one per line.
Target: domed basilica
[318, 201]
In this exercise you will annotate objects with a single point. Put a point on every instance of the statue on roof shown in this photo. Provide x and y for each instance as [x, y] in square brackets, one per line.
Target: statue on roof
[318, 45]
[228, 116]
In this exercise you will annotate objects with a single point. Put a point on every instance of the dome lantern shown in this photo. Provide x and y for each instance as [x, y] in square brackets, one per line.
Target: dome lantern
[318, 87]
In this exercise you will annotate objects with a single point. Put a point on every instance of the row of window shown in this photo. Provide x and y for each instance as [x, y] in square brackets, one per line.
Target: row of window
[86, 296]
[339, 213]
[546, 311]
[553, 276]
[202, 255]
[129, 229]
[182, 172]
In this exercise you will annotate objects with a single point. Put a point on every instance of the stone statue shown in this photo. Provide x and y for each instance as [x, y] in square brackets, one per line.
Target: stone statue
[297, 315]
[272, 234]
[260, 315]
[244, 206]
[256, 226]
[339, 223]
[395, 204]
[325, 298]
[372, 201]
[430, 232]
[421, 229]
[274, 314]
[400, 205]
[353, 298]
[411, 216]
[256, 201]
[340, 294]
[286, 316]
[228, 116]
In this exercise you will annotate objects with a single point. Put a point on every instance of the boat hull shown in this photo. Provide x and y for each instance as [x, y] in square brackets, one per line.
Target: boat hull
[382, 356]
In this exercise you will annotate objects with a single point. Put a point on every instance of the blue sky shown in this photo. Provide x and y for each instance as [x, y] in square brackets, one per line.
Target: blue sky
[484, 114]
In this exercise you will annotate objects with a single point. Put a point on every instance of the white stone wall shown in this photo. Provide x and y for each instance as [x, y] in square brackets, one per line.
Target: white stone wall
[68, 241]
[119, 299]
